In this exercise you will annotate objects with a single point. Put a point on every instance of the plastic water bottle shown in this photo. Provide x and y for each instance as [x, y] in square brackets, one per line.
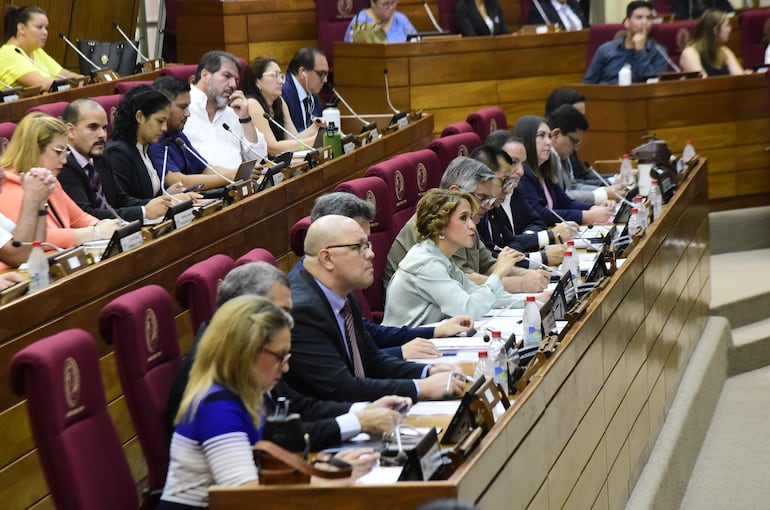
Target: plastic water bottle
[37, 267]
[500, 360]
[531, 324]
[484, 367]
[656, 199]
[688, 152]
[331, 115]
[571, 263]
[626, 172]
[624, 75]
[333, 139]
[634, 223]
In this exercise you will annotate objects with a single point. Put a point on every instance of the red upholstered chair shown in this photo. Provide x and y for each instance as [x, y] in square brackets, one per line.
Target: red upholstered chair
[376, 191]
[446, 15]
[400, 178]
[486, 120]
[125, 86]
[525, 6]
[662, 6]
[257, 255]
[6, 131]
[599, 34]
[427, 169]
[140, 325]
[674, 36]
[184, 72]
[332, 19]
[755, 30]
[297, 236]
[196, 287]
[78, 447]
[449, 147]
[52, 109]
[110, 104]
[455, 128]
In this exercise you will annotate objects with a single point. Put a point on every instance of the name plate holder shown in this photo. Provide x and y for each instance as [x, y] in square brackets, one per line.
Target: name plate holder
[295, 170]
[67, 262]
[14, 291]
[153, 65]
[181, 214]
[105, 75]
[208, 209]
[160, 229]
[241, 189]
[124, 239]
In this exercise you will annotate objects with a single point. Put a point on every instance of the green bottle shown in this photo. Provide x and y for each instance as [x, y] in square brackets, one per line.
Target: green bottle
[333, 139]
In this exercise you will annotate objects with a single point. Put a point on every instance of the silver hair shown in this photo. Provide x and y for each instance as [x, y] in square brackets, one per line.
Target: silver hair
[252, 278]
[466, 173]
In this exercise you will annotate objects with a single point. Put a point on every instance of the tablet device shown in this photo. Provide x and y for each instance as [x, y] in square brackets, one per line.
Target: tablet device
[418, 36]
[267, 176]
[464, 419]
[285, 157]
[396, 117]
[245, 169]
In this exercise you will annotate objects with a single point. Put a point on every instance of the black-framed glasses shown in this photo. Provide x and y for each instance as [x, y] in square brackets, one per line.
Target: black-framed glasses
[283, 359]
[484, 200]
[575, 141]
[506, 184]
[359, 247]
[321, 74]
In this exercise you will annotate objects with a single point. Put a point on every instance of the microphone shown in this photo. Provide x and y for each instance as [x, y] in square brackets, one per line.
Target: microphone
[589, 246]
[609, 187]
[432, 18]
[129, 41]
[184, 146]
[166, 143]
[100, 194]
[387, 92]
[276, 123]
[19, 244]
[357, 116]
[544, 266]
[667, 58]
[34, 62]
[247, 144]
[82, 55]
[541, 12]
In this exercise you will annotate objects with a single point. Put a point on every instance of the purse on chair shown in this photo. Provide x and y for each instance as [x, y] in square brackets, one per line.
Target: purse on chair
[369, 33]
[118, 56]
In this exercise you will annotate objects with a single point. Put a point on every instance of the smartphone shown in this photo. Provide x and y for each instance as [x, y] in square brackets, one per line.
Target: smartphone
[402, 407]
[192, 188]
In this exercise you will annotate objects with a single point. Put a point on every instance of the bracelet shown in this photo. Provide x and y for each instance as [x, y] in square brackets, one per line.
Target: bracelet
[97, 236]
[246, 120]
[44, 211]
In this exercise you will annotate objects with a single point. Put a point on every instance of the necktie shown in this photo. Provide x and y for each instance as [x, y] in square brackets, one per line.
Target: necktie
[350, 337]
[566, 18]
[306, 101]
[96, 185]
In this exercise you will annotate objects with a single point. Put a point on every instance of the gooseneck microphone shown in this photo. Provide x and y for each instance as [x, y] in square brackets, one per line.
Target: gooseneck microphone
[129, 41]
[357, 116]
[541, 12]
[100, 194]
[589, 246]
[36, 64]
[19, 244]
[609, 186]
[432, 18]
[166, 143]
[666, 57]
[274, 122]
[247, 144]
[178, 140]
[82, 55]
[387, 92]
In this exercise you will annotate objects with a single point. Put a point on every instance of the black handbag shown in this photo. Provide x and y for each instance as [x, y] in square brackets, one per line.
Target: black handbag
[118, 56]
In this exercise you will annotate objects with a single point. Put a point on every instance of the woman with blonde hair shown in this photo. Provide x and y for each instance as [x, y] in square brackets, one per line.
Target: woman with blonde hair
[427, 286]
[40, 142]
[242, 354]
[708, 53]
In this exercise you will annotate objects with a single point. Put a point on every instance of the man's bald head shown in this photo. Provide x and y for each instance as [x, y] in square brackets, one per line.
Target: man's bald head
[326, 230]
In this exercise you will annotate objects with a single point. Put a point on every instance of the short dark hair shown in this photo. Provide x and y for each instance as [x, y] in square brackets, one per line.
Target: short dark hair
[568, 119]
[305, 57]
[15, 15]
[500, 137]
[211, 61]
[170, 86]
[342, 203]
[143, 98]
[560, 96]
[638, 4]
[526, 128]
[71, 112]
[490, 155]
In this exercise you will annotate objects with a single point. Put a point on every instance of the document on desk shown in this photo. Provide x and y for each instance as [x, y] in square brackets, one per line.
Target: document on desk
[381, 475]
[451, 356]
[435, 408]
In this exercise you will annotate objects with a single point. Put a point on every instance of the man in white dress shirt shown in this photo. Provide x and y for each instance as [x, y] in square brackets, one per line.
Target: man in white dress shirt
[215, 102]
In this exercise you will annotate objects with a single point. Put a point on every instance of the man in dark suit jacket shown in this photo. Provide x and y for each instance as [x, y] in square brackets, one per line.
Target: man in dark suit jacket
[326, 422]
[326, 361]
[565, 13]
[306, 76]
[86, 136]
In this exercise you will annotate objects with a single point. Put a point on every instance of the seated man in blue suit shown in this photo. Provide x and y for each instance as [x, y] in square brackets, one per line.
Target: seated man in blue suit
[306, 76]
[565, 13]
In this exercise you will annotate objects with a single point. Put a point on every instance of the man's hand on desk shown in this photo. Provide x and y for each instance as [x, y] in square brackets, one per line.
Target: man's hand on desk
[441, 384]
[599, 213]
[534, 280]
[362, 460]
[157, 207]
[9, 279]
[375, 421]
[419, 348]
[555, 254]
[563, 232]
[453, 326]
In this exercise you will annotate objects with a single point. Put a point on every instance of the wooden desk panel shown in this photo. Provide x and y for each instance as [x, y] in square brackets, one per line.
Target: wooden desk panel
[579, 434]
[75, 302]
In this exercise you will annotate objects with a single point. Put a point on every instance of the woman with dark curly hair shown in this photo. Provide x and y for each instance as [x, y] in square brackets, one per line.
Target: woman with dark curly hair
[139, 121]
[263, 86]
[427, 286]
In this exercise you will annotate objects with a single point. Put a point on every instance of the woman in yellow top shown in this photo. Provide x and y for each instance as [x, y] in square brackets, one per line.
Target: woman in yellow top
[23, 62]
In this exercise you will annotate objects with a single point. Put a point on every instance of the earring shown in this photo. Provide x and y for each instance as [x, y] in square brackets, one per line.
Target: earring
[441, 237]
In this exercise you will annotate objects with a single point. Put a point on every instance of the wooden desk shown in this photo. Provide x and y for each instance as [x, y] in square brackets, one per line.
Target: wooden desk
[725, 117]
[74, 302]
[580, 434]
[452, 78]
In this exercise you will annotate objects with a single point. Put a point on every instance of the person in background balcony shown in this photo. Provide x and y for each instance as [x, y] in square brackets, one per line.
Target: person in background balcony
[708, 53]
[479, 17]
[396, 25]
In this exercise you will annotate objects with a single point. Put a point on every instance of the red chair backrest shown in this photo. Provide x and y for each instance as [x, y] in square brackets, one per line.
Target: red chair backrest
[196, 287]
[755, 32]
[140, 325]
[110, 104]
[400, 177]
[297, 236]
[446, 15]
[53, 109]
[449, 147]
[599, 34]
[486, 120]
[125, 86]
[674, 36]
[78, 447]
[332, 19]
[6, 131]
[455, 128]
[256, 255]
[427, 169]
[184, 72]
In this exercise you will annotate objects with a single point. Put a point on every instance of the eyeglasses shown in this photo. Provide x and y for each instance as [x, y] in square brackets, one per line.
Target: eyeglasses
[278, 75]
[389, 5]
[485, 200]
[321, 74]
[61, 151]
[575, 141]
[506, 184]
[281, 358]
[360, 247]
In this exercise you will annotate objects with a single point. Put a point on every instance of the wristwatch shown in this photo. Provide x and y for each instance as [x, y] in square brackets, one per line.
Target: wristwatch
[44, 211]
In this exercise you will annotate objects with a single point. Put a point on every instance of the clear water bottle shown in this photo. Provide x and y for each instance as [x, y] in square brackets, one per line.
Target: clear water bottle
[500, 360]
[688, 152]
[626, 172]
[642, 210]
[37, 267]
[624, 75]
[656, 199]
[484, 367]
[634, 223]
[531, 324]
[571, 263]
